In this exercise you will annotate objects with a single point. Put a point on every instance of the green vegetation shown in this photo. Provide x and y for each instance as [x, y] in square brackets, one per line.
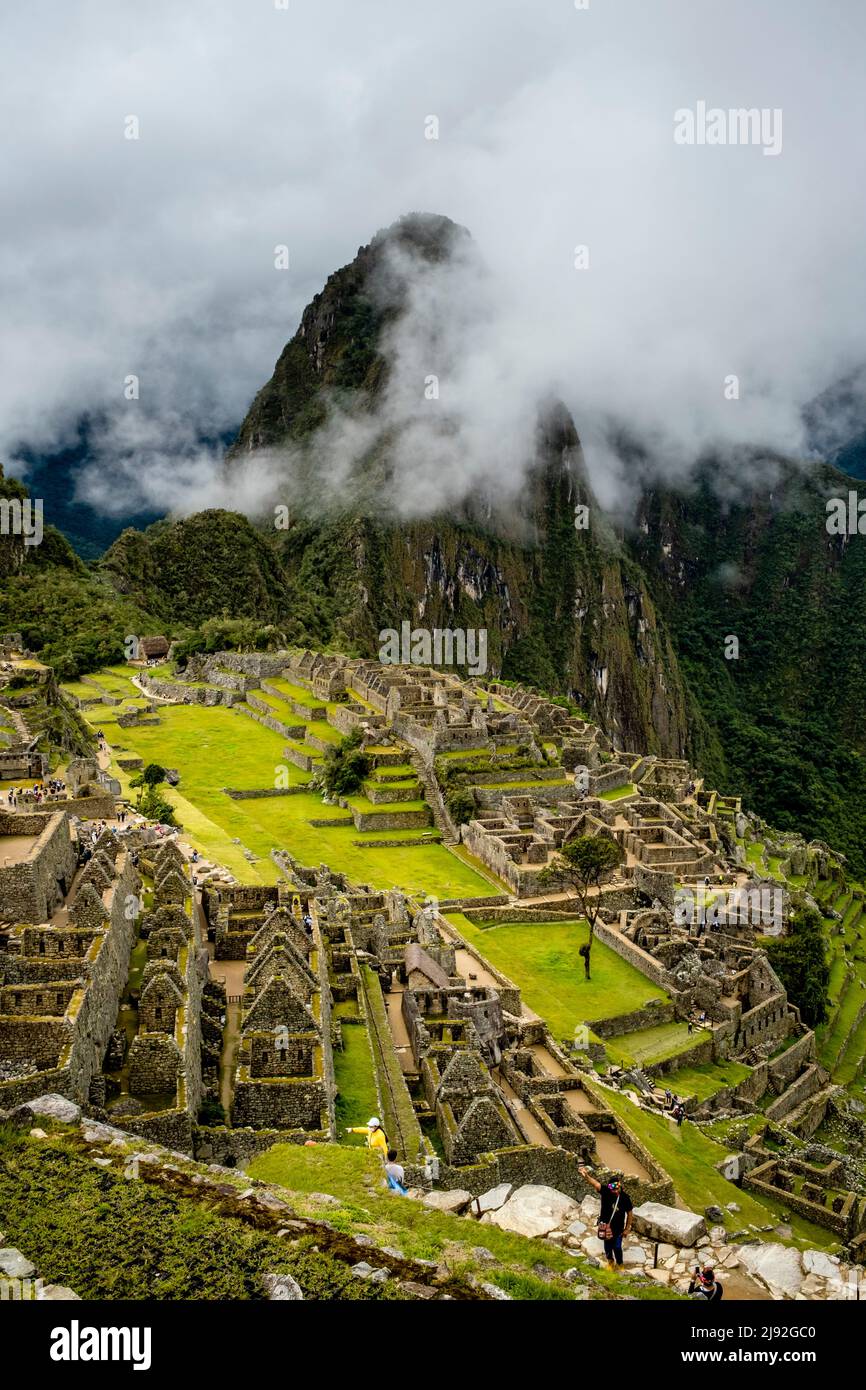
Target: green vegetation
[398, 1117]
[148, 800]
[581, 867]
[704, 1081]
[690, 1156]
[542, 959]
[787, 734]
[800, 961]
[344, 768]
[108, 1237]
[647, 1046]
[215, 747]
[354, 1175]
[355, 1078]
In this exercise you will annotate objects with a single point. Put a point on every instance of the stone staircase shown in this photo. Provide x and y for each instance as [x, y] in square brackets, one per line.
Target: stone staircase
[434, 798]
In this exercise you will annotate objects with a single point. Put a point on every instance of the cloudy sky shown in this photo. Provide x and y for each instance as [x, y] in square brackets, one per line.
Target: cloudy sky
[307, 126]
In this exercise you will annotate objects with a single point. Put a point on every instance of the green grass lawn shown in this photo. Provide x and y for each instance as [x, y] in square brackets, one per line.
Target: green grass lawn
[703, 1082]
[542, 959]
[217, 747]
[355, 1078]
[617, 793]
[657, 1044]
[354, 1176]
[294, 692]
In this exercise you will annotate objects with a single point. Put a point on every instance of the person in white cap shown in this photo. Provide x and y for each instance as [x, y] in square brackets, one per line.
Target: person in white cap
[376, 1137]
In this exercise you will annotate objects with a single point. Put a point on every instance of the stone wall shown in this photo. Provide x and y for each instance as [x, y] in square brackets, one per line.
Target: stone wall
[656, 1012]
[154, 1064]
[635, 955]
[171, 1128]
[235, 1147]
[73, 1047]
[783, 1069]
[391, 820]
[762, 1181]
[807, 1084]
[767, 1022]
[281, 1102]
[33, 887]
[553, 1167]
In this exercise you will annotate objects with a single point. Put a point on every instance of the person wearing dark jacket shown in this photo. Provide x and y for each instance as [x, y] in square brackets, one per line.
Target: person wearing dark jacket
[704, 1286]
[614, 1218]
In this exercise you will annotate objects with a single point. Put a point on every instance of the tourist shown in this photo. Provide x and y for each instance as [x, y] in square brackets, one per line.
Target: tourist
[395, 1174]
[376, 1137]
[614, 1218]
[679, 1113]
[704, 1285]
[669, 1099]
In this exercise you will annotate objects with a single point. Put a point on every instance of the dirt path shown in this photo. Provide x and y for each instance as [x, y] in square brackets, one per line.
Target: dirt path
[532, 1130]
[231, 974]
[399, 1031]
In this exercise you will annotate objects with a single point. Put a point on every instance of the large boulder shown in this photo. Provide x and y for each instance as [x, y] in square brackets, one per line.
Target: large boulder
[534, 1210]
[48, 1107]
[816, 1262]
[455, 1200]
[777, 1266]
[57, 1293]
[669, 1224]
[494, 1199]
[14, 1265]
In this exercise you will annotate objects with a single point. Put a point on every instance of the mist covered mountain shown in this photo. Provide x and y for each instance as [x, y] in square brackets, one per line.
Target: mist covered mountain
[380, 501]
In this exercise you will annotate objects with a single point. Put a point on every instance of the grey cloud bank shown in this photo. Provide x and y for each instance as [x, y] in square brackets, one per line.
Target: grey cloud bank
[260, 127]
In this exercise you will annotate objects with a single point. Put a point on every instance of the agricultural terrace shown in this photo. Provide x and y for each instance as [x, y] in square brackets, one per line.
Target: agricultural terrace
[214, 748]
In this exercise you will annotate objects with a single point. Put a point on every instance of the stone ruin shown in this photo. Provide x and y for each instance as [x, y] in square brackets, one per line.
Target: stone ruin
[284, 1077]
[64, 967]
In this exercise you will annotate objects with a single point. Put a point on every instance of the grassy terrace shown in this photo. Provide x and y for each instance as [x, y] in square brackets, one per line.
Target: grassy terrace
[217, 747]
[842, 1037]
[294, 692]
[355, 1077]
[650, 1045]
[541, 958]
[352, 1174]
[690, 1155]
[704, 1081]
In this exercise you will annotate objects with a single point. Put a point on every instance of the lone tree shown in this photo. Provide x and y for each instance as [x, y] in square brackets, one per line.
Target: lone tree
[150, 801]
[582, 866]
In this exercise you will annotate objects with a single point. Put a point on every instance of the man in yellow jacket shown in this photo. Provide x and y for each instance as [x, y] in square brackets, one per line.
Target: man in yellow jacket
[375, 1134]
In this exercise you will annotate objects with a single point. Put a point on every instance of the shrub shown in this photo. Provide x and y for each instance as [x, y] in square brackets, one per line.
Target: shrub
[345, 767]
[461, 805]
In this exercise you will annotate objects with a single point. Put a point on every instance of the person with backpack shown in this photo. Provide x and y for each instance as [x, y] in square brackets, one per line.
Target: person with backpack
[704, 1286]
[614, 1218]
[395, 1174]
[376, 1137]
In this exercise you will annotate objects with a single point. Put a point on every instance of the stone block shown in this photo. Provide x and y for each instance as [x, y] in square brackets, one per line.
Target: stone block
[14, 1265]
[455, 1201]
[494, 1199]
[282, 1288]
[535, 1210]
[669, 1224]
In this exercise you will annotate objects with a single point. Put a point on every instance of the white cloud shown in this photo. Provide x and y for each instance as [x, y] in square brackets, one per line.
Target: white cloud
[306, 127]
